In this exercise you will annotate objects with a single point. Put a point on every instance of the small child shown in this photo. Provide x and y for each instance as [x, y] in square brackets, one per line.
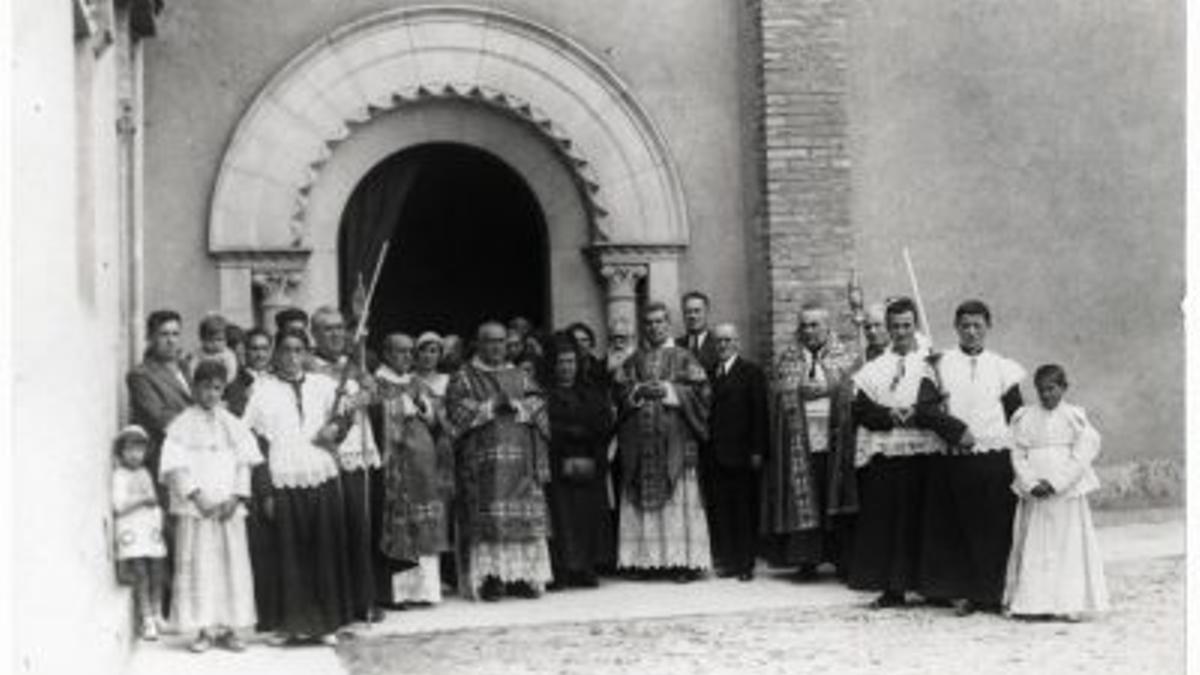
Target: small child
[206, 461]
[1054, 569]
[141, 551]
[214, 345]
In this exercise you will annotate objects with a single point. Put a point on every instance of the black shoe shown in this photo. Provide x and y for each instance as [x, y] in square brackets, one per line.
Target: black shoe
[375, 615]
[746, 575]
[806, 573]
[492, 590]
[686, 576]
[886, 600]
[726, 573]
[521, 589]
[989, 607]
[587, 580]
[964, 608]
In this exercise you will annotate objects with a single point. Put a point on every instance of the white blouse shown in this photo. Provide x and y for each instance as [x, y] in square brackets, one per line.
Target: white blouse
[1058, 446]
[976, 384]
[290, 423]
[210, 451]
[893, 380]
[138, 532]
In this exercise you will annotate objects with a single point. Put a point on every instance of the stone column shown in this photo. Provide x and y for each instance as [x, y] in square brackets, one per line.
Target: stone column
[620, 293]
[277, 290]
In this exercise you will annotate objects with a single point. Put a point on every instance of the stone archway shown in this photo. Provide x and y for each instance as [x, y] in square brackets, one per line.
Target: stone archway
[268, 226]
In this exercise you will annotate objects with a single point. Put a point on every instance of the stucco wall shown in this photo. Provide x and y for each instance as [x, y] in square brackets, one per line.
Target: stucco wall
[69, 354]
[678, 56]
[1031, 153]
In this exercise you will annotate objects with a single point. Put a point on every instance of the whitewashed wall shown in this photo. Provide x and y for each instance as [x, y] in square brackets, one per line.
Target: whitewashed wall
[69, 349]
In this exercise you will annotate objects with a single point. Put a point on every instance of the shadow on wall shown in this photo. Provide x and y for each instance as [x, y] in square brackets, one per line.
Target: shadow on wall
[1140, 484]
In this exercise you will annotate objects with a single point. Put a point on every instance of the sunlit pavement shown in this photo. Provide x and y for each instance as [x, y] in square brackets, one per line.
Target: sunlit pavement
[615, 600]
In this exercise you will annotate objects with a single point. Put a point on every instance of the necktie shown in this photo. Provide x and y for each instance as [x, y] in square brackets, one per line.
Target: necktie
[900, 372]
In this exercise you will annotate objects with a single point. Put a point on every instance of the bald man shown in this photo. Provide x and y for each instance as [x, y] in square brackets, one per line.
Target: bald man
[809, 441]
[397, 359]
[738, 443]
[875, 331]
[500, 429]
[361, 468]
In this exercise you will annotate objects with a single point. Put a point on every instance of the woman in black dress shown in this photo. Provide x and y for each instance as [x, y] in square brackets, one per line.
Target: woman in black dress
[580, 422]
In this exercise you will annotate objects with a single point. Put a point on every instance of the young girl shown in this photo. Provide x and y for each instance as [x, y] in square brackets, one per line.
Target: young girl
[206, 461]
[141, 552]
[1055, 569]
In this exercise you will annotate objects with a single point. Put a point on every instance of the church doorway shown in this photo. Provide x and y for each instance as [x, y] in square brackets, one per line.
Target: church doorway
[468, 242]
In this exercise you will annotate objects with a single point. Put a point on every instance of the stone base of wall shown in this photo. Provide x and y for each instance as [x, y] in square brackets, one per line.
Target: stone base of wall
[1140, 484]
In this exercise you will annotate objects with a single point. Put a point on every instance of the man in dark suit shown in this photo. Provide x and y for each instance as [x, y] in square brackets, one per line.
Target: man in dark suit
[738, 442]
[158, 386]
[698, 339]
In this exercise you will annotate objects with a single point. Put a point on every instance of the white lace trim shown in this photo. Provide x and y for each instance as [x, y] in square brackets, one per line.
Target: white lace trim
[511, 562]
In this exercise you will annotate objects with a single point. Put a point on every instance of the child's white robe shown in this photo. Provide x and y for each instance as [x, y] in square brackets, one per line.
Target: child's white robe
[1055, 565]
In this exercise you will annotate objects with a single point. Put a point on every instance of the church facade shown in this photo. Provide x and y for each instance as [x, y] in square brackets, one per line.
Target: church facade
[624, 129]
[567, 161]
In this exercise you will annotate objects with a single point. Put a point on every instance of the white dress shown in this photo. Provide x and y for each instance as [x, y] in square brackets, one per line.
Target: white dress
[1055, 565]
[138, 532]
[210, 451]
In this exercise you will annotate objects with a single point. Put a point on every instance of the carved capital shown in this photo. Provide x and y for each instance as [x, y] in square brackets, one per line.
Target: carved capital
[620, 279]
[277, 286]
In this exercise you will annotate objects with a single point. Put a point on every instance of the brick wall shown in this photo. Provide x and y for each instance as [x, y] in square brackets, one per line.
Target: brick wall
[808, 241]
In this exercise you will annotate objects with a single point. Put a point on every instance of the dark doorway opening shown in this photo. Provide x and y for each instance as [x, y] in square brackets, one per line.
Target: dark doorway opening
[468, 243]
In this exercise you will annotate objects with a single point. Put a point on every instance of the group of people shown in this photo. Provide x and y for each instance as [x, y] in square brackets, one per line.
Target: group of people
[311, 484]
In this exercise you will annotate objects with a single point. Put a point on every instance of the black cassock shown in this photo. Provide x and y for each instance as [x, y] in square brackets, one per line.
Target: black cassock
[580, 425]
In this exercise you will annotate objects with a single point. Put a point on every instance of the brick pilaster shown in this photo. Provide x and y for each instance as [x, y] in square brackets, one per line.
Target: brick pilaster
[808, 241]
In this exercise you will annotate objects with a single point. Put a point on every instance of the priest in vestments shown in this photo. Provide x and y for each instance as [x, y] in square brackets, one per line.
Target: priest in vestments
[810, 494]
[415, 529]
[498, 423]
[663, 397]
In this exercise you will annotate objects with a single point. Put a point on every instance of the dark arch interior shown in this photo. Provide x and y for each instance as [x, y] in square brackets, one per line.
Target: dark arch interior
[468, 242]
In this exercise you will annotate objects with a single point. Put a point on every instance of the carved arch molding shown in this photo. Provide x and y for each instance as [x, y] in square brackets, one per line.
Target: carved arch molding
[260, 230]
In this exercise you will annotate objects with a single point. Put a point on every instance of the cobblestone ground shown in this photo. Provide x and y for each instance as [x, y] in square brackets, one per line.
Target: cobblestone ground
[1143, 634]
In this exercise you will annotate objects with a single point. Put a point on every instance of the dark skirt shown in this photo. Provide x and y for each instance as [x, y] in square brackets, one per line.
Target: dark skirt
[887, 533]
[314, 571]
[580, 520]
[264, 562]
[370, 577]
[967, 527]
